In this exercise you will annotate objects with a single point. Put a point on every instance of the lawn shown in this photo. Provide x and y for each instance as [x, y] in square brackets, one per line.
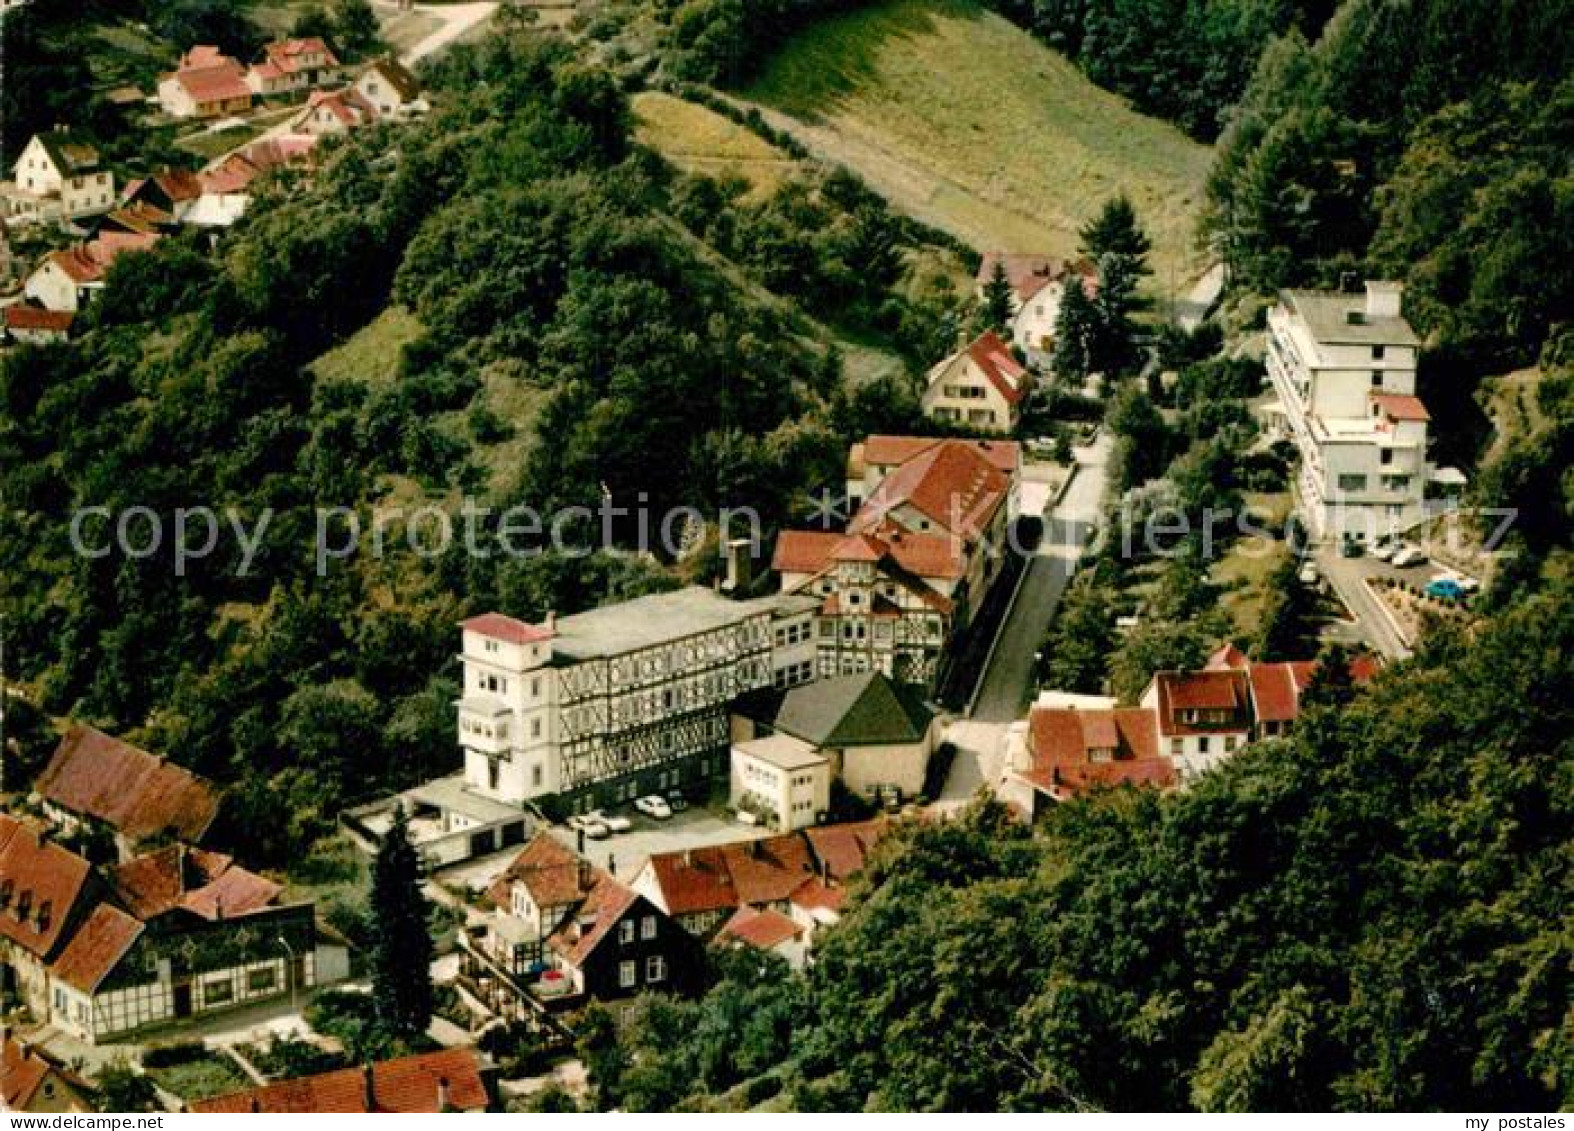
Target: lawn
[967, 122]
[371, 354]
[206, 1073]
[403, 30]
[699, 140]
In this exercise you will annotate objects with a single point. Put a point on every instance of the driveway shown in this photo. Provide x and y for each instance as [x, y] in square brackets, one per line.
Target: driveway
[458, 20]
[624, 854]
[1009, 675]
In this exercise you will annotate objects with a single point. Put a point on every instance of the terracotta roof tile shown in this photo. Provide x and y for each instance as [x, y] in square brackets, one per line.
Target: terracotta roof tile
[19, 316]
[1061, 741]
[40, 885]
[892, 451]
[96, 948]
[952, 484]
[761, 929]
[999, 365]
[550, 871]
[130, 790]
[409, 1085]
[506, 628]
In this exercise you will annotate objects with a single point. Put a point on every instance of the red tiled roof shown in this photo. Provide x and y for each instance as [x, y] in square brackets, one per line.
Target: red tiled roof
[952, 484]
[606, 904]
[999, 365]
[223, 81]
[816, 895]
[693, 881]
[761, 929]
[208, 884]
[1397, 406]
[804, 551]
[1226, 657]
[40, 884]
[506, 628]
[843, 849]
[96, 948]
[1201, 691]
[130, 790]
[767, 871]
[90, 262]
[892, 451]
[203, 55]
[286, 54]
[408, 1085]
[1028, 273]
[19, 316]
[236, 172]
[1276, 692]
[1061, 738]
[550, 871]
[348, 106]
[921, 554]
[23, 1070]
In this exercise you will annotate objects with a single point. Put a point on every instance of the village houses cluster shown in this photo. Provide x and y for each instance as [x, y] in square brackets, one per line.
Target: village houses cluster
[60, 179]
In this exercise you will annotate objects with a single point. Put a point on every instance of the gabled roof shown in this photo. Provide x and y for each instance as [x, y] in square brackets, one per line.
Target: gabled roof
[843, 849]
[767, 871]
[763, 930]
[892, 451]
[409, 1085]
[70, 153]
[237, 171]
[922, 555]
[1030, 273]
[865, 709]
[591, 923]
[208, 75]
[347, 106]
[290, 55]
[1400, 407]
[207, 884]
[20, 316]
[396, 75]
[951, 484]
[1201, 691]
[40, 885]
[693, 881]
[96, 948]
[1062, 741]
[23, 1070]
[551, 871]
[90, 262]
[497, 626]
[137, 794]
[999, 366]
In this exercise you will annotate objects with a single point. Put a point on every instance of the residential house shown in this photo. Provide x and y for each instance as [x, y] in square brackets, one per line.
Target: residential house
[914, 563]
[333, 112]
[428, 1083]
[33, 1081]
[389, 87]
[766, 931]
[875, 457]
[164, 197]
[781, 780]
[801, 875]
[140, 799]
[99, 954]
[563, 931]
[982, 385]
[57, 177]
[1038, 283]
[206, 84]
[227, 187]
[874, 734]
[1344, 368]
[1186, 723]
[32, 325]
[68, 280]
[290, 65]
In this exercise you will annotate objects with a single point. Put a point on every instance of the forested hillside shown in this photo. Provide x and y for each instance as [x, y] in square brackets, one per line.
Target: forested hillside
[532, 248]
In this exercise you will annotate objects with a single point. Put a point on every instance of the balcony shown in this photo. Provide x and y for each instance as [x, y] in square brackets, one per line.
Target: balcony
[484, 724]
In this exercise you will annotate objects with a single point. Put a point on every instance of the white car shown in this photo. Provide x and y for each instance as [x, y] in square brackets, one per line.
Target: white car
[615, 823]
[593, 828]
[1408, 556]
[1308, 574]
[654, 806]
[1385, 551]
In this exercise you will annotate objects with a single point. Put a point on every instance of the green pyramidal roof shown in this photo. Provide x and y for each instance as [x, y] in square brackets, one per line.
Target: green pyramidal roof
[866, 709]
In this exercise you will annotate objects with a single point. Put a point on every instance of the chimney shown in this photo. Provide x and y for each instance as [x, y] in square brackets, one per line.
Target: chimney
[368, 1087]
[740, 566]
[688, 858]
[1383, 299]
[584, 874]
[754, 849]
[442, 1093]
[550, 624]
[256, 1105]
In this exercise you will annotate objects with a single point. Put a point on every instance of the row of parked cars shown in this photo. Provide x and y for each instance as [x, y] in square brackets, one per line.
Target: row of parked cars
[598, 825]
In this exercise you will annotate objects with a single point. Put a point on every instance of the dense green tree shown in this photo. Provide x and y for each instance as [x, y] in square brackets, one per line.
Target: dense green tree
[1076, 334]
[998, 300]
[1115, 230]
[356, 31]
[401, 956]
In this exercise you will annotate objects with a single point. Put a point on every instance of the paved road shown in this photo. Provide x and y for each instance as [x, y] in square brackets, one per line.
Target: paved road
[1066, 529]
[980, 740]
[457, 19]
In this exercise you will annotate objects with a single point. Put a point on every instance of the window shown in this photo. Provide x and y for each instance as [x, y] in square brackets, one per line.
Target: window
[535, 728]
[655, 968]
[1202, 745]
[1177, 747]
[647, 927]
[491, 772]
[1229, 744]
[258, 981]
[1377, 353]
[1377, 378]
[626, 931]
[628, 974]
[1352, 482]
[535, 774]
[1385, 456]
[218, 991]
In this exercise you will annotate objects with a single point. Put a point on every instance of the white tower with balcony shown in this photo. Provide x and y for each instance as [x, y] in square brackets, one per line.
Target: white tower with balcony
[507, 717]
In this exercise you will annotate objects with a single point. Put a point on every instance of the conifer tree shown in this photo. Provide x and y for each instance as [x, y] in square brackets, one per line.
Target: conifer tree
[401, 944]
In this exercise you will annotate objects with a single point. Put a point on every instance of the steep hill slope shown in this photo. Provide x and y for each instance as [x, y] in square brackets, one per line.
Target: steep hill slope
[970, 124]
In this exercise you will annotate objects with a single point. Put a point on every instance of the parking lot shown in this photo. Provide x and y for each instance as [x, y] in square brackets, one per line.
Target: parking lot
[624, 854]
[1348, 576]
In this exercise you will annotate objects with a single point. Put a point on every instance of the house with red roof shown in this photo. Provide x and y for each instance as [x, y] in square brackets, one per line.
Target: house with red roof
[1038, 284]
[333, 112]
[290, 65]
[33, 325]
[57, 176]
[178, 933]
[428, 1083]
[1185, 724]
[101, 783]
[206, 84]
[67, 280]
[915, 560]
[982, 385]
[562, 931]
[766, 931]
[32, 1080]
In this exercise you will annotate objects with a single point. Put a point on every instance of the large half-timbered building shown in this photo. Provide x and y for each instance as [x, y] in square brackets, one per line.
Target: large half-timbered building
[629, 699]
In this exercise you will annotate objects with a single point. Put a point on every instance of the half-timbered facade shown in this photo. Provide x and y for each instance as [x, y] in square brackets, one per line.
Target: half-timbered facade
[607, 705]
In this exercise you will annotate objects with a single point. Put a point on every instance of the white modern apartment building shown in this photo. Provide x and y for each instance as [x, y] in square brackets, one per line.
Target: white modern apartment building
[625, 700]
[1344, 367]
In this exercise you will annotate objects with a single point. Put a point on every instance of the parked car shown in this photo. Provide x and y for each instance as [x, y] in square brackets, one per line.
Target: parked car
[594, 829]
[1385, 550]
[1446, 588]
[614, 822]
[654, 806]
[1408, 556]
[1308, 574]
[676, 801]
[1468, 584]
